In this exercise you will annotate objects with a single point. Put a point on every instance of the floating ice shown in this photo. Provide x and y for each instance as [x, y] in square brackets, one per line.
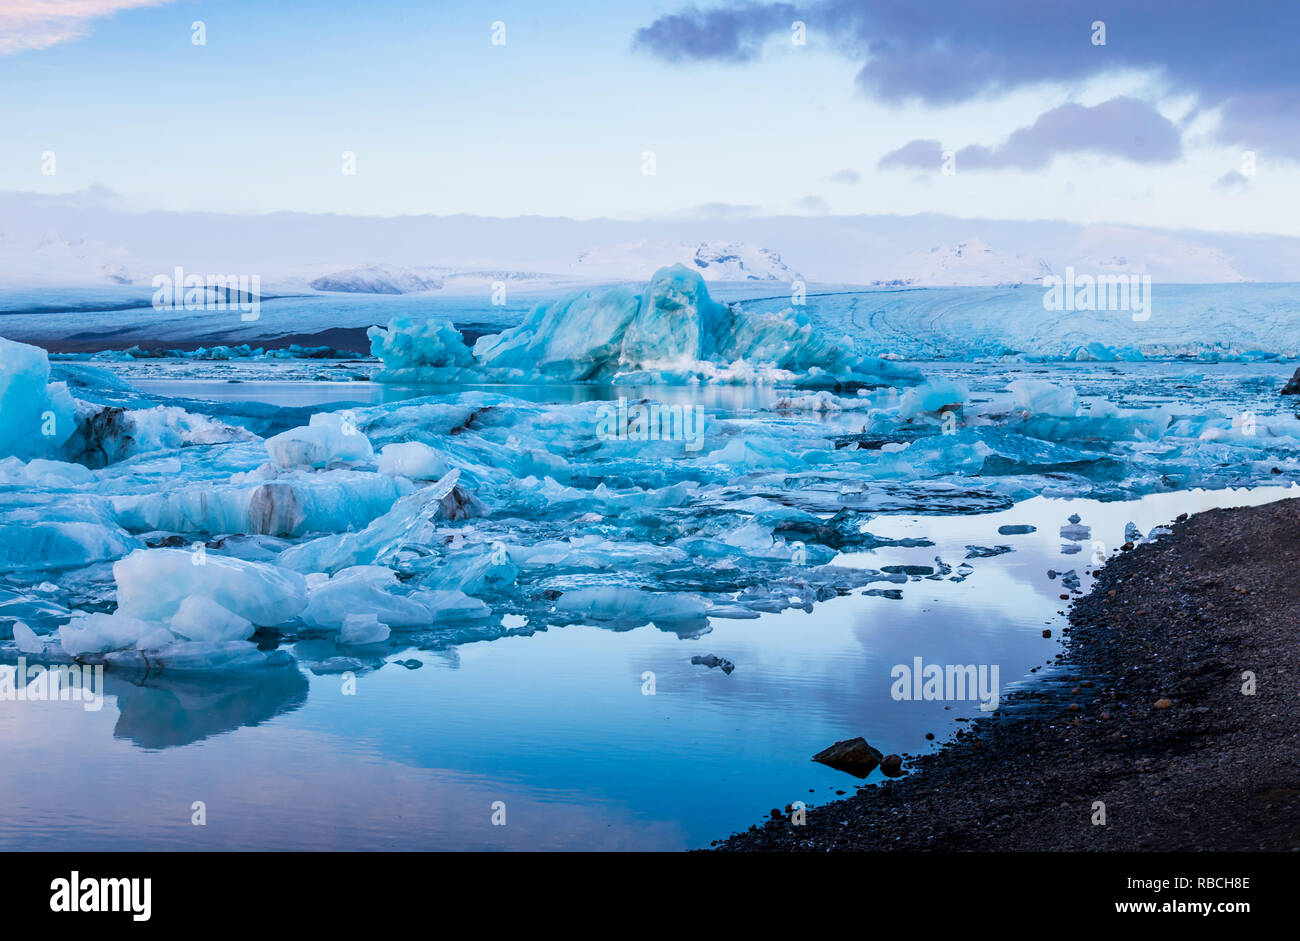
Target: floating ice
[1037, 397]
[362, 589]
[360, 629]
[672, 331]
[413, 459]
[38, 415]
[152, 584]
[72, 532]
[329, 437]
[99, 633]
[931, 397]
[201, 618]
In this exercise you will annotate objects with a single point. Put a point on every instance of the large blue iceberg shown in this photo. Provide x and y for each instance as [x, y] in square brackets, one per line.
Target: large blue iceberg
[670, 332]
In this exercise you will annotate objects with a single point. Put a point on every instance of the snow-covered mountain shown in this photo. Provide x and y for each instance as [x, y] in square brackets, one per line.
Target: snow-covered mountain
[50, 258]
[971, 263]
[715, 261]
[1113, 249]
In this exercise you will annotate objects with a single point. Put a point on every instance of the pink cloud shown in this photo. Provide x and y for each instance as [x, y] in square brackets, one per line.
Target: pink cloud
[38, 24]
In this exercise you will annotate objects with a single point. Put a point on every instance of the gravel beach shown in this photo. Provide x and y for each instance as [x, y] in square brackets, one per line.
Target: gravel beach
[1148, 711]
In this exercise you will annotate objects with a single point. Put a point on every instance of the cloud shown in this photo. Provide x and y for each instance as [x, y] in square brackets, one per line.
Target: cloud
[729, 35]
[812, 204]
[726, 210]
[845, 176]
[1121, 127]
[915, 154]
[1238, 59]
[39, 24]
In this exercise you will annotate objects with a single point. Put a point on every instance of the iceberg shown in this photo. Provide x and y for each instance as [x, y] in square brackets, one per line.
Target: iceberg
[39, 415]
[413, 459]
[199, 618]
[672, 331]
[100, 633]
[361, 629]
[152, 584]
[70, 533]
[329, 438]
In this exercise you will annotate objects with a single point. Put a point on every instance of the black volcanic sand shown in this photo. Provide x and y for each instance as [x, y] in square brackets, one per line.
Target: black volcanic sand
[1179, 619]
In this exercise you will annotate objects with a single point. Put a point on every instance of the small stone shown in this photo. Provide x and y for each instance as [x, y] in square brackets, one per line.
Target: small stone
[1047, 632]
[1163, 703]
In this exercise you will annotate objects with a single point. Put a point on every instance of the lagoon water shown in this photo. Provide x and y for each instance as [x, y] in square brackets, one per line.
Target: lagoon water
[597, 734]
[557, 725]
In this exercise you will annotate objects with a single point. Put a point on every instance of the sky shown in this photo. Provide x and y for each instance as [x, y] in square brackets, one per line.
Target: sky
[1033, 117]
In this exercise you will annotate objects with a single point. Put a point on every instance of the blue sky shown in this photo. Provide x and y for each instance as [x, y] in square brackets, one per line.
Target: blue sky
[555, 122]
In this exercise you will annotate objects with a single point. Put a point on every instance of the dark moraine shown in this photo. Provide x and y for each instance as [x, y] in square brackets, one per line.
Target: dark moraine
[1145, 712]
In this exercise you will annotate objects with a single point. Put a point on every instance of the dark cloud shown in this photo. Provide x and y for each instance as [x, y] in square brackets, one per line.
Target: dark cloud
[1122, 127]
[845, 176]
[729, 35]
[1238, 57]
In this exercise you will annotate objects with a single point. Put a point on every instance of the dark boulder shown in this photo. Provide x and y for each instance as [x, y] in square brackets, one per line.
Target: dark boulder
[853, 755]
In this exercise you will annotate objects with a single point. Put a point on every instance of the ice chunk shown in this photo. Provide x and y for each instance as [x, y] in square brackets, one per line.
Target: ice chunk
[327, 438]
[64, 534]
[616, 603]
[364, 589]
[207, 657]
[39, 416]
[1038, 397]
[413, 459]
[937, 395]
[38, 472]
[201, 618]
[434, 344]
[361, 629]
[410, 521]
[28, 640]
[291, 504]
[575, 338]
[672, 331]
[109, 434]
[152, 583]
[99, 633]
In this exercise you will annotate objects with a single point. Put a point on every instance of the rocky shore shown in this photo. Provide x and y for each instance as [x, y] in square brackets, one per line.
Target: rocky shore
[1174, 711]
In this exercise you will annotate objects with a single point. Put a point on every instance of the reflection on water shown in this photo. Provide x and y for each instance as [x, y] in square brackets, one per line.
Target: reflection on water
[167, 710]
[415, 750]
